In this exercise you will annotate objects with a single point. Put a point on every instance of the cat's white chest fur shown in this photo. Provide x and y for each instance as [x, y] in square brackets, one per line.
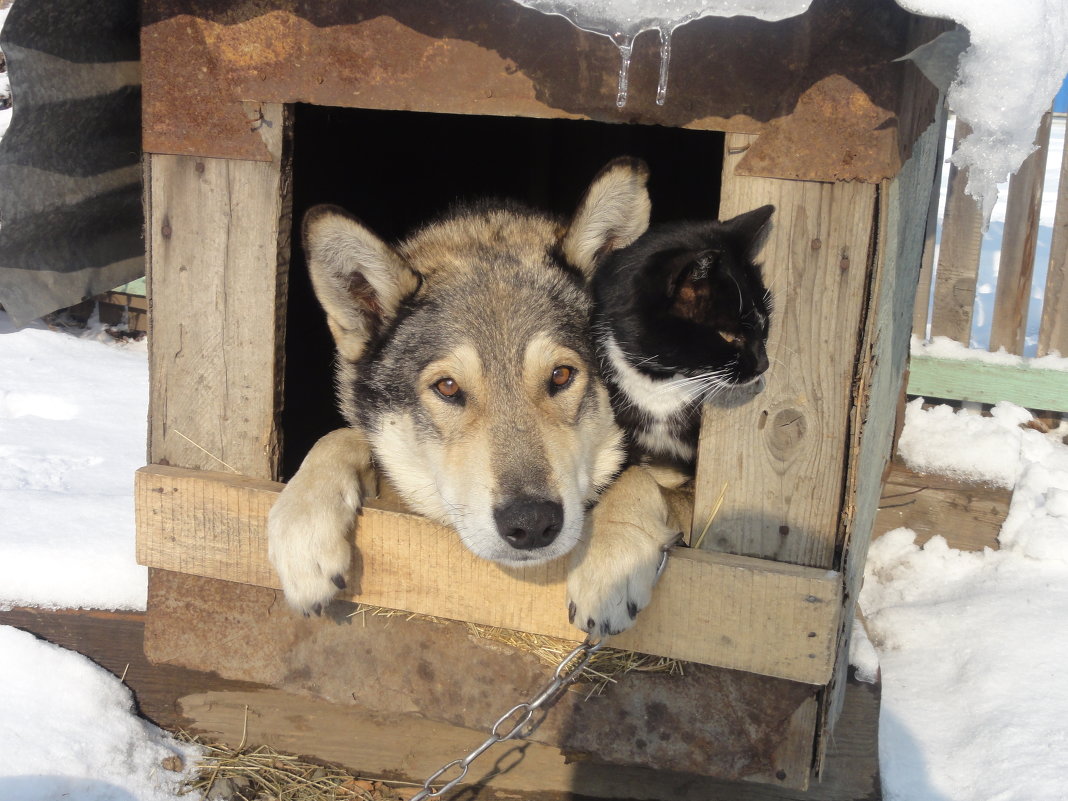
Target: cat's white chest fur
[659, 398]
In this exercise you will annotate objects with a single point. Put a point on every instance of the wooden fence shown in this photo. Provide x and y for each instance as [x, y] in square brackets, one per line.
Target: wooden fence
[946, 294]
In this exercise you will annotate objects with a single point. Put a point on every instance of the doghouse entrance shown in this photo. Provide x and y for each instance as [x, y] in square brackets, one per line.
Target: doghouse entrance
[396, 169]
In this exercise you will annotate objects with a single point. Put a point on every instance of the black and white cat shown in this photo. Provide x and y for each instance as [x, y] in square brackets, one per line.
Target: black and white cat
[681, 314]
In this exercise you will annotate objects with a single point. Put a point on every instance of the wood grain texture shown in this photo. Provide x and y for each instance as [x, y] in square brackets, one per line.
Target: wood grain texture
[958, 255]
[781, 455]
[1016, 268]
[1053, 331]
[373, 746]
[968, 516]
[218, 242]
[736, 612]
[399, 665]
[882, 360]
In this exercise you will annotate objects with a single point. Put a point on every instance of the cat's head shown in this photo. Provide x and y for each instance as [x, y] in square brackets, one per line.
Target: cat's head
[688, 298]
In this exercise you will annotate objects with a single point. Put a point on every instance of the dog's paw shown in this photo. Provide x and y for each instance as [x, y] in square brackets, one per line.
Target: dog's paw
[606, 594]
[310, 525]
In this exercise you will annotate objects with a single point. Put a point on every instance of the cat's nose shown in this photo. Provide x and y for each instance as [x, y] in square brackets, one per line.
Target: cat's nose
[762, 362]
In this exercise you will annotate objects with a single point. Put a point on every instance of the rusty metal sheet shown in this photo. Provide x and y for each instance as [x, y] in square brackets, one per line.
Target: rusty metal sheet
[710, 721]
[203, 57]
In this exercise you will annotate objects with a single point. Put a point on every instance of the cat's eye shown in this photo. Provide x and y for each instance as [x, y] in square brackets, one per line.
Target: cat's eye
[447, 388]
[734, 339]
[561, 377]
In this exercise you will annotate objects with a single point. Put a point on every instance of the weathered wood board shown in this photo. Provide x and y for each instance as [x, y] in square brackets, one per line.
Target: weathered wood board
[958, 255]
[969, 516]
[1016, 267]
[736, 612]
[218, 250]
[408, 747]
[1053, 332]
[969, 380]
[699, 719]
[783, 470]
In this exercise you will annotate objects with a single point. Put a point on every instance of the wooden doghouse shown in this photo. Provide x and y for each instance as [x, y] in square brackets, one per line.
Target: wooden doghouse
[253, 111]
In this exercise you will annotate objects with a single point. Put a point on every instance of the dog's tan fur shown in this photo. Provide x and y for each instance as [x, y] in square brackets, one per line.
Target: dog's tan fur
[485, 300]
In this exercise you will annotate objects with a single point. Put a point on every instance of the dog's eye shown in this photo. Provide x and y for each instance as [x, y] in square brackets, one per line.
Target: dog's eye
[447, 388]
[561, 377]
[734, 339]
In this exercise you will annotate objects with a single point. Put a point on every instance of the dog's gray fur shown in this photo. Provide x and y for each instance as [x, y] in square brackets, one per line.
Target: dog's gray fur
[448, 349]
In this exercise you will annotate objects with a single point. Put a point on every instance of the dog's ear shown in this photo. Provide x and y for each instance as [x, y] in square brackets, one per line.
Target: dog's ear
[359, 279]
[613, 213]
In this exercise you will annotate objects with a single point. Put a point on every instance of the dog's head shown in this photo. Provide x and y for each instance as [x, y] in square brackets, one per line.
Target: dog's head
[465, 354]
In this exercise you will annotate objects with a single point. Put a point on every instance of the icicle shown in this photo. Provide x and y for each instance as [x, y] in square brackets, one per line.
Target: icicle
[625, 43]
[665, 61]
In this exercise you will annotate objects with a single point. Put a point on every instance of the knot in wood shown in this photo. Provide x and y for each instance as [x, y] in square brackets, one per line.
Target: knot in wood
[786, 431]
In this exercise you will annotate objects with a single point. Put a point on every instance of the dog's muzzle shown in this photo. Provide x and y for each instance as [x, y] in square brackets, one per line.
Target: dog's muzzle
[527, 524]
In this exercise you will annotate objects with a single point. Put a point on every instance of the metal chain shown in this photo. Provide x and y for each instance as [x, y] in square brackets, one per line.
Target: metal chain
[516, 718]
[521, 714]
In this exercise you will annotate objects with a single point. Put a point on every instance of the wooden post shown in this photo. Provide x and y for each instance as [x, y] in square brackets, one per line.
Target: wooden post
[924, 284]
[1017, 265]
[783, 469]
[1053, 333]
[218, 253]
[958, 255]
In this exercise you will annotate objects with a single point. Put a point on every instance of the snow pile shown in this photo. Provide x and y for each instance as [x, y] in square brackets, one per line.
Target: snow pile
[73, 420]
[1006, 80]
[966, 446]
[69, 731]
[971, 645]
[972, 654]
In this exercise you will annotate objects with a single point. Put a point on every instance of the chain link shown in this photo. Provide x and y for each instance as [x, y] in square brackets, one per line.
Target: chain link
[517, 718]
[567, 673]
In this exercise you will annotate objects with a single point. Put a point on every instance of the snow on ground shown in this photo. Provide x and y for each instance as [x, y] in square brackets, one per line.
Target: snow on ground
[69, 731]
[972, 646]
[73, 421]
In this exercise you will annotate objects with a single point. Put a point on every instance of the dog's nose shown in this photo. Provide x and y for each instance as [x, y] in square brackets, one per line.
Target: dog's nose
[529, 523]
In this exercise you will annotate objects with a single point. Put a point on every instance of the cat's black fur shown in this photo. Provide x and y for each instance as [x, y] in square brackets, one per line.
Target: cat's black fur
[681, 314]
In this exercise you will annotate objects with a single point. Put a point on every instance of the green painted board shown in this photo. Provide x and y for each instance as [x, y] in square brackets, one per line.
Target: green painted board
[133, 288]
[967, 380]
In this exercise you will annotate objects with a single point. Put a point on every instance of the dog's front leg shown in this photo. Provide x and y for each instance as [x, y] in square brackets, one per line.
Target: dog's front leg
[309, 525]
[614, 568]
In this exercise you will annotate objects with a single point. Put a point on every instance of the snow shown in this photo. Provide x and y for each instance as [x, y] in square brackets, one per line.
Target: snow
[946, 348]
[73, 422]
[69, 731]
[971, 646]
[1007, 77]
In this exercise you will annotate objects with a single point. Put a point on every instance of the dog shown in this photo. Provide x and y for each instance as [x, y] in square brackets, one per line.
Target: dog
[467, 375]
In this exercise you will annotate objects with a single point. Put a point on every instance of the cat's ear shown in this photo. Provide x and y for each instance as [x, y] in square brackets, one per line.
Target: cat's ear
[752, 228]
[359, 279]
[613, 213]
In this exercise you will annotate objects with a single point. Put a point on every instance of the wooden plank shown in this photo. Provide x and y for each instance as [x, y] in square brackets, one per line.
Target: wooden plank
[445, 671]
[374, 747]
[921, 309]
[218, 239]
[968, 516]
[1053, 331]
[747, 614]
[967, 380]
[1008, 325]
[958, 255]
[784, 467]
[882, 358]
